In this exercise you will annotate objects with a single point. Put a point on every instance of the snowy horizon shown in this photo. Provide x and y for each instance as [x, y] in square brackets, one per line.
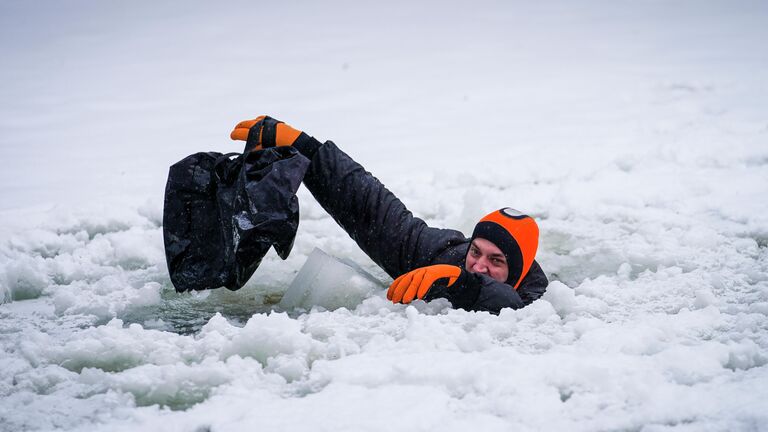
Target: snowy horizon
[636, 133]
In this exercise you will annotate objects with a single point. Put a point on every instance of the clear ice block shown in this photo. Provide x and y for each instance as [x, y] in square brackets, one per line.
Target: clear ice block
[328, 282]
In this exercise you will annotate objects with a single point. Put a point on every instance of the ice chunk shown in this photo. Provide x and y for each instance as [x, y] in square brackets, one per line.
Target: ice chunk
[328, 282]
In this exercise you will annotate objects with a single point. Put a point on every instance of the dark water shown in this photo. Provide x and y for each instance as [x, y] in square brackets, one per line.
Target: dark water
[186, 313]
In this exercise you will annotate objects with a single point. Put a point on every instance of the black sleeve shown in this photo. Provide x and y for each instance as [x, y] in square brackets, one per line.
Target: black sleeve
[372, 215]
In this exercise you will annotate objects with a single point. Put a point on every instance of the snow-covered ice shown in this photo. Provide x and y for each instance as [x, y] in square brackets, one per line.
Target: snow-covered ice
[635, 132]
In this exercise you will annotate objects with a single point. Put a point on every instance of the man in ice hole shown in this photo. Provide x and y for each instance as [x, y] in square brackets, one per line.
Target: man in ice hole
[492, 270]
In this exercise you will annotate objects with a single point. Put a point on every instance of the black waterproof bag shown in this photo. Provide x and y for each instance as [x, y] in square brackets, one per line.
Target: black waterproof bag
[222, 215]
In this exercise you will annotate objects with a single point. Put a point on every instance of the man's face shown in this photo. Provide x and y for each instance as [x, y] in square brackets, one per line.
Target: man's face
[484, 257]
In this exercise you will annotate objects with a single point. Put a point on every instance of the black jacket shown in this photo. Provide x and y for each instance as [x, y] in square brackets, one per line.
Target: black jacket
[396, 240]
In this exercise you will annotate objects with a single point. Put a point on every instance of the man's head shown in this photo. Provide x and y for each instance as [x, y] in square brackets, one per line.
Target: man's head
[503, 246]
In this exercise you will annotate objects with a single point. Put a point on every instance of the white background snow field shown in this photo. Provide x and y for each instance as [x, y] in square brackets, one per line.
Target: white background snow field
[636, 132]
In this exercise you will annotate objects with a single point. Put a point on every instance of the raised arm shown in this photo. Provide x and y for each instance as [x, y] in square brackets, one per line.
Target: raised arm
[372, 215]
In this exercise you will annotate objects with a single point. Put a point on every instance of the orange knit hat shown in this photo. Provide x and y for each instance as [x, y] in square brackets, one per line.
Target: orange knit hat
[516, 234]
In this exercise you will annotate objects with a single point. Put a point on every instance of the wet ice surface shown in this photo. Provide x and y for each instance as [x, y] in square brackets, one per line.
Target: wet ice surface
[637, 138]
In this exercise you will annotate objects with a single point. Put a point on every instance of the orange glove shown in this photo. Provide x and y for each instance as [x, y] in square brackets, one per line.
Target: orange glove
[416, 283]
[264, 132]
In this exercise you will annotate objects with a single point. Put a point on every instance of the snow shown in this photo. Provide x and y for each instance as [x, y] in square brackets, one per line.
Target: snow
[635, 132]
